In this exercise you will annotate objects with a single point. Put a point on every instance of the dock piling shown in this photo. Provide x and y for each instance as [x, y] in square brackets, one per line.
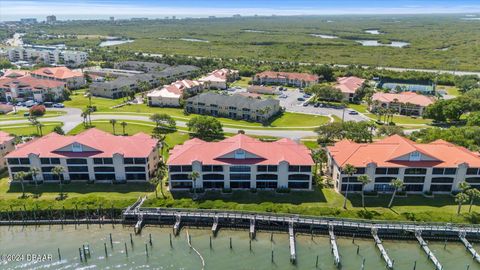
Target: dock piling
[59, 255]
[80, 254]
[105, 248]
[126, 250]
[111, 241]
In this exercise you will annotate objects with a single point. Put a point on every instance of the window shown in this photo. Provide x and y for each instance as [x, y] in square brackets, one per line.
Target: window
[239, 168]
[128, 161]
[240, 185]
[24, 161]
[140, 160]
[104, 176]
[103, 161]
[181, 184]
[240, 176]
[360, 171]
[47, 169]
[415, 171]
[355, 187]
[384, 179]
[214, 185]
[299, 177]
[75, 161]
[136, 176]
[76, 147]
[179, 177]
[472, 171]
[414, 188]
[213, 176]
[293, 168]
[386, 171]
[77, 168]
[266, 184]
[445, 171]
[448, 180]
[175, 168]
[415, 156]
[267, 177]
[414, 179]
[473, 180]
[267, 168]
[212, 168]
[79, 176]
[440, 188]
[239, 154]
[298, 185]
[104, 169]
[13, 161]
[135, 169]
[305, 168]
[187, 168]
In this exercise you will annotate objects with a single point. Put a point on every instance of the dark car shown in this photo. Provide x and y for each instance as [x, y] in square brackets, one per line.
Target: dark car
[300, 99]
[305, 104]
[48, 104]
[353, 112]
[316, 105]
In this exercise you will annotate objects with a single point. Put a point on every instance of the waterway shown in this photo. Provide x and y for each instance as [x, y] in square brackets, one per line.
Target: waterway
[114, 42]
[46, 240]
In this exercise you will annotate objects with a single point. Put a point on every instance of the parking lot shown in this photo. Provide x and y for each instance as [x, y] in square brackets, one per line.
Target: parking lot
[292, 104]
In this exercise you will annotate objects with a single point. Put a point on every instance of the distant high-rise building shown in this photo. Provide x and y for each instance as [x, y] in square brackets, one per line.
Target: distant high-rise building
[112, 18]
[237, 16]
[51, 19]
[28, 20]
[174, 17]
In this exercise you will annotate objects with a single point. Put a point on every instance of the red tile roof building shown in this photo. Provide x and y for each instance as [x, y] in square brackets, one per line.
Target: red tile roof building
[27, 87]
[349, 86]
[89, 156]
[438, 166]
[241, 162]
[285, 78]
[6, 145]
[170, 95]
[409, 103]
[73, 79]
[219, 78]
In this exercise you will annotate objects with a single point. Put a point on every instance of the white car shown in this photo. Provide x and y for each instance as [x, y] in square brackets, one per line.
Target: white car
[58, 105]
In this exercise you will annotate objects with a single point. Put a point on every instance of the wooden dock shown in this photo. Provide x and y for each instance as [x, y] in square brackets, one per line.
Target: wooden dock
[333, 244]
[139, 225]
[176, 226]
[291, 238]
[462, 235]
[378, 243]
[431, 256]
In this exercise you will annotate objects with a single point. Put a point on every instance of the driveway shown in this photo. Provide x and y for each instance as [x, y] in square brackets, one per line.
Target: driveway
[292, 104]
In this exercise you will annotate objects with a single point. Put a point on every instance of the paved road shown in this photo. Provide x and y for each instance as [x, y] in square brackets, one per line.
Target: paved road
[73, 118]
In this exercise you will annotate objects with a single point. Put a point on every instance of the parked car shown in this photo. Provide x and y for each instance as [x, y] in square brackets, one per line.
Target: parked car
[283, 96]
[30, 103]
[300, 99]
[58, 105]
[352, 112]
[316, 105]
[48, 104]
[27, 114]
[306, 95]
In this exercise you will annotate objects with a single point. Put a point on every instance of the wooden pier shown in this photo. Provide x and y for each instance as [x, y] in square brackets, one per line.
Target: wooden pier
[378, 243]
[431, 256]
[462, 235]
[252, 228]
[333, 244]
[291, 237]
[176, 226]
[139, 225]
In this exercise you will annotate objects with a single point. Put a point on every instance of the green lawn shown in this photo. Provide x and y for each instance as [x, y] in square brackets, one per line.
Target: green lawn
[27, 129]
[398, 119]
[19, 115]
[362, 108]
[451, 90]
[243, 82]
[286, 120]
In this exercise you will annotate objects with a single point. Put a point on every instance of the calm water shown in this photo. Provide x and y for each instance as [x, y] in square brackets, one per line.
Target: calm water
[375, 43]
[373, 31]
[46, 240]
[114, 42]
[323, 36]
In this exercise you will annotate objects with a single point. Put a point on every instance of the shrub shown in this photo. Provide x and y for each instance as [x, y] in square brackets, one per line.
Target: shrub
[253, 190]
[37, 110]
[197, 190]
[226, 190]
[370, 193]
[428, 193]
[283, 190]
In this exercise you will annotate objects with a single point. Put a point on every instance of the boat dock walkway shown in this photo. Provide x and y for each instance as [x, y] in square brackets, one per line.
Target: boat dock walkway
[333, 244]
[176, 226]
[380, 247]
[469, 247]
[252, 228]
[215, 226]
[291, 237]
[431, 256]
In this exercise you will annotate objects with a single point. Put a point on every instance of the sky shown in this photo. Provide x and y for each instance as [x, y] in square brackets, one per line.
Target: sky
[88, 9]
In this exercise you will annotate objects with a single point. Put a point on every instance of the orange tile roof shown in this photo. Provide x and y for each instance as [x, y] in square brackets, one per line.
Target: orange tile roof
[106, 144]
[28, 81]
[14, 73]
[349, 85]
[386, 153]
[5, 137]
[290, 75]
[405, 97]
[57, 72]
[212, 152]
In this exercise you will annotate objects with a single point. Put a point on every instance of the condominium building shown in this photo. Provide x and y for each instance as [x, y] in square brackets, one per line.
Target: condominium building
[170, 95]
[285, 78]
[407, 103]
[233, 106]
[51, 19]
[438, 166]
[116, 87]
[73, 79]
[6, 146]
[92, 155]
[349, 86]
[218, 79]
[240, 162]
[47, 55]
[26, 87]
[140, 66]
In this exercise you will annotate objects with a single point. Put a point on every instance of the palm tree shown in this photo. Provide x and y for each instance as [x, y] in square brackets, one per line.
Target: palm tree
[364, 179]
[34, 171]
[473, 194]
[396, 184]
[463, 186]
[460, 198]
[88, 113]
[113, 122]
[161, 173]
[319, 156]
[124, 125]
[20, 176]
[194, 176]
[154, 181]
[348, 170]
[84, 116]
[58, 171]
[89, 96]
